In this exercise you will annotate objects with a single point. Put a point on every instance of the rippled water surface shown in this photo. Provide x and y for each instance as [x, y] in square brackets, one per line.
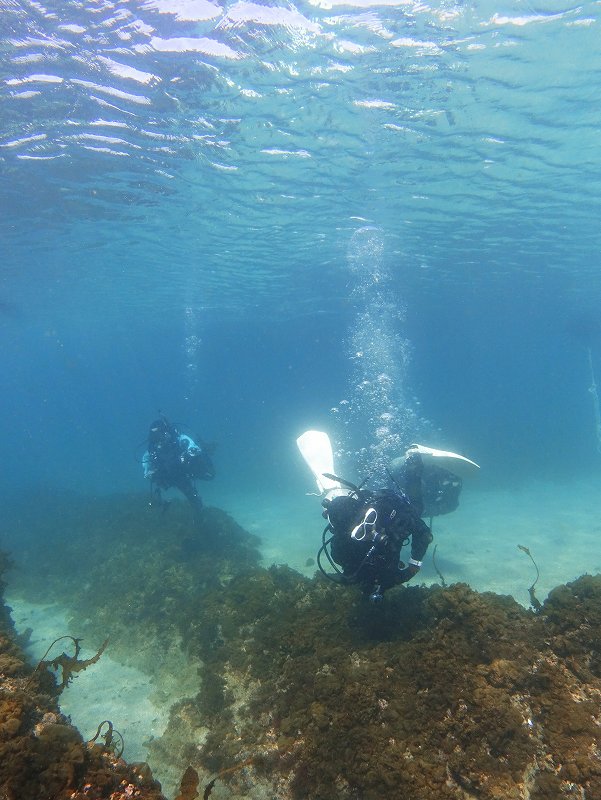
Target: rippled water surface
[178, 148]
[381, 218]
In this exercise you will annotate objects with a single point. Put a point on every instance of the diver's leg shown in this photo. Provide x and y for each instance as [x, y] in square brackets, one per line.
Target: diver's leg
[156, 498]
[196, 541]
[190, 492]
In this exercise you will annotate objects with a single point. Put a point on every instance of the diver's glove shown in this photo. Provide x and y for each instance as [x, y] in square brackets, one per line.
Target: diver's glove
[409, 571]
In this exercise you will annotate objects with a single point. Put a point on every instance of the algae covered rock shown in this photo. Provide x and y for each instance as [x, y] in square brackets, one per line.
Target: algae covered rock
[476, 702]
[306, 692]
[42, 756]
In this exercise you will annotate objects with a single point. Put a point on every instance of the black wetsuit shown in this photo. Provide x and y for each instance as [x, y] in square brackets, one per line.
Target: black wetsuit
[371, 557]
[431, 490]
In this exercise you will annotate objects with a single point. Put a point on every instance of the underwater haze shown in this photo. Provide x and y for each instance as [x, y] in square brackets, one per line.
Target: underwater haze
[373, 218]
[380, 219]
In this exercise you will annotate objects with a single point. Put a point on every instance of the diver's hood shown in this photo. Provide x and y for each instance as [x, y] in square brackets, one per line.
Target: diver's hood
[316, 449]
[458, 465]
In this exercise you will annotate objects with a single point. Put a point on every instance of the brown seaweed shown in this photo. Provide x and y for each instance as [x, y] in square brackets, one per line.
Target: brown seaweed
[111, 744]
[211, 784]
[189, 785]
[438, 572]
[449, 693]
[534, 601]
[68, 664]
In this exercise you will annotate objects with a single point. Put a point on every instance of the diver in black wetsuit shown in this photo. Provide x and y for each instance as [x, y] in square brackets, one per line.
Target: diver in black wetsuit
[368, 529]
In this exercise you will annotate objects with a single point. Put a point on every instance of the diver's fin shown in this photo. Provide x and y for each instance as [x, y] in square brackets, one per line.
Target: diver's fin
[458, 465]
[316, 449]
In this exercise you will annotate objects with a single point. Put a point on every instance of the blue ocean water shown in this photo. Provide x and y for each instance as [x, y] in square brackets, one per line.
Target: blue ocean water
[380, 219]
[377, 218]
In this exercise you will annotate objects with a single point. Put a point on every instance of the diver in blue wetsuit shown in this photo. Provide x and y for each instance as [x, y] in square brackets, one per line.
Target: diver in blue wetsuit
[174, 460]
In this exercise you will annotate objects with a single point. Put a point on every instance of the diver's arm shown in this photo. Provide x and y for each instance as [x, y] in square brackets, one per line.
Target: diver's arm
[148, 471]
[421, 537]
[188, 445]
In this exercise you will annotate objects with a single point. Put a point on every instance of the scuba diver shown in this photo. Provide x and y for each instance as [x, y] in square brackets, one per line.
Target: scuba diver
[369, 528]
[174, 460]
[431, 479]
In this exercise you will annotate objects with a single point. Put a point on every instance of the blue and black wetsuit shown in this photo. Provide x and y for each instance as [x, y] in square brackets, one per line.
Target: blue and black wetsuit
[174, 460]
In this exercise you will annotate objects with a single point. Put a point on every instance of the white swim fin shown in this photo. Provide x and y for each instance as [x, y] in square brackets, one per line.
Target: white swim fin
[458, 465]
[316, 449]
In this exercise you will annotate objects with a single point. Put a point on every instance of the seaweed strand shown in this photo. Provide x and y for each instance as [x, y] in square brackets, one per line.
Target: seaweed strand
[68, 664]
[109, 738]
[534, 601]
[226, 771]
[438, 572]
